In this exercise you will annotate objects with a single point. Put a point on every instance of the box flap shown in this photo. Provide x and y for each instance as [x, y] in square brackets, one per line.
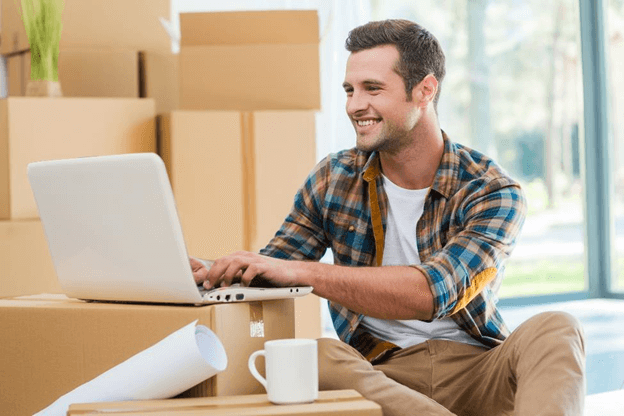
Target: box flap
[256, 27]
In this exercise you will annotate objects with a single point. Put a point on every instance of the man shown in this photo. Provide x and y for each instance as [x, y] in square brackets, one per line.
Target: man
[419, 228]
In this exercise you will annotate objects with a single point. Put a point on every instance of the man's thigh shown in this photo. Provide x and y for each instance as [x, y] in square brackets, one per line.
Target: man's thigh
[465, 379]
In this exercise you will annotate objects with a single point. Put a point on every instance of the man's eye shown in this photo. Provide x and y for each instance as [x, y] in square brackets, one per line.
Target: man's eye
[373, 88]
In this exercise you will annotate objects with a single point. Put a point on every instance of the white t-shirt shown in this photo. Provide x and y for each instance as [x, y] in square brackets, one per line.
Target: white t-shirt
[405, 207]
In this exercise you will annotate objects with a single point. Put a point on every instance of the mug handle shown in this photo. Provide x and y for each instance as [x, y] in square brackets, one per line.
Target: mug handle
[254, 370]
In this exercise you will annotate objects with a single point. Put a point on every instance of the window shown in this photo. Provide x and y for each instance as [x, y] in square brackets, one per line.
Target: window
[513, 90]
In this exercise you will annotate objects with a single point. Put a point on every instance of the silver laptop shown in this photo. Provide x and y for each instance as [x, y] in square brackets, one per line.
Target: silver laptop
[114, 234]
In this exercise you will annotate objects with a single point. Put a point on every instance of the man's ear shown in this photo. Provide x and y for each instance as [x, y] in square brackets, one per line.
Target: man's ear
[426, 90]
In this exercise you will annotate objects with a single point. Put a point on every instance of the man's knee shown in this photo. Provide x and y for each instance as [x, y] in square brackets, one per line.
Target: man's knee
[336, 359]
[561, 326]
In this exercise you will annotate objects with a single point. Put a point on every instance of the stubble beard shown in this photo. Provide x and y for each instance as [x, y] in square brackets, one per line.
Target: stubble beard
[391, 140]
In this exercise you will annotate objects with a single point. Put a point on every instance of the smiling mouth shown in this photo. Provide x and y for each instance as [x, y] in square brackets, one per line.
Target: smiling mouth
[364, 123]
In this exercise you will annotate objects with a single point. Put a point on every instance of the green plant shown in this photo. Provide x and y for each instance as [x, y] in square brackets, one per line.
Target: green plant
[42, 21]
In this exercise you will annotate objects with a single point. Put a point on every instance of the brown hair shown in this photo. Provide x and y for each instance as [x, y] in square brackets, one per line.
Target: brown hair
[420, 53]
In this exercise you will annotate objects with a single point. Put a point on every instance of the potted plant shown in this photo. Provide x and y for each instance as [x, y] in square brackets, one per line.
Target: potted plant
[42, 21]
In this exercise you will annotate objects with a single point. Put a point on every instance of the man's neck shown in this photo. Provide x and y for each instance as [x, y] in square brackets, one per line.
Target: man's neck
[415, 166]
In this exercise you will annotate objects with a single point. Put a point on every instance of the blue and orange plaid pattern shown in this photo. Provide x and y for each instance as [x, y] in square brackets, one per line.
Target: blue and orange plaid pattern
[473, 214]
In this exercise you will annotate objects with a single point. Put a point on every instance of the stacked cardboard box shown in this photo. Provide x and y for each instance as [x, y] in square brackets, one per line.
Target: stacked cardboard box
[51, 344]
[33, 129]
[238, 152]
[243, 140]
[102, 49]
[106, 72]
[116, 23]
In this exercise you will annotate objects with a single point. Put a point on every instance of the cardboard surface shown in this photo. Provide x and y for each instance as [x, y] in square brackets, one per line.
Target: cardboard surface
[338, 403]
[25, 263]
[265, 60]
[159, 79]
[202, 152]
[51, 344]
[233, 166]
[85, 73]
[284, 153]
[106, 72]
[104, 23]
[45, 128]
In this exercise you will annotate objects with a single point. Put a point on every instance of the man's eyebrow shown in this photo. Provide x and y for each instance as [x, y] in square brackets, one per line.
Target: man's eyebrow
[372, 82]
[366, 82]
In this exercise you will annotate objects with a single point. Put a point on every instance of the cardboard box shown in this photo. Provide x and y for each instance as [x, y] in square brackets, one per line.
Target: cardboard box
[25, 263]
[329, 403]
[33, 129]
[263, 60]
[107, 73]
[84, 73]
[233, 165]
[51, 344]
[96, 23]
[234, 177]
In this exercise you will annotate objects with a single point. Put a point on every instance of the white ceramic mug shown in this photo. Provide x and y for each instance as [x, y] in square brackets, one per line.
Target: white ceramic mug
[291, 370]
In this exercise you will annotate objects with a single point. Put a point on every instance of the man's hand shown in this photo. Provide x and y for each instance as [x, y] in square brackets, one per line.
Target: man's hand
[200, 271]
[246, 266]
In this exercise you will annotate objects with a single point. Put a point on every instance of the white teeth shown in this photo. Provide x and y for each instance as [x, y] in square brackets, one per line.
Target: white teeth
[366, 122]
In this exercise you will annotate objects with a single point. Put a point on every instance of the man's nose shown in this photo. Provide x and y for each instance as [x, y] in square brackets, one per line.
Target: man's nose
[356, 103]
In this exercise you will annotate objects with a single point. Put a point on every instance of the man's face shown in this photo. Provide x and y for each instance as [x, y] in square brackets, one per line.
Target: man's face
[376, 101]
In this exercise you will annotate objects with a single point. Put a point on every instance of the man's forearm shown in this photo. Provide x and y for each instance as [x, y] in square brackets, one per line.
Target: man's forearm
[388, 292]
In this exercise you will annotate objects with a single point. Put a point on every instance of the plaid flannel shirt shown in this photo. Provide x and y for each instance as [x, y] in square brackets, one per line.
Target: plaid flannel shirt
[473, 213]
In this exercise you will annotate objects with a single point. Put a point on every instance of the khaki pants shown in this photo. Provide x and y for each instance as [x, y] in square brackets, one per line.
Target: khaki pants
[538, 370]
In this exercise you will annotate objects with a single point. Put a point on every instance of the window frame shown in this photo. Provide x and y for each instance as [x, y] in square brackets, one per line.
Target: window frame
[597, 164]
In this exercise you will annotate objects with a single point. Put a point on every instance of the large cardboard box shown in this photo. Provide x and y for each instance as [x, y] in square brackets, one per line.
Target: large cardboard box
[33, 129]
[234, 177]
[329, 403]
[25, 263]
[263, 60]
[105, 23]
[84, 73]
[242, 168]
[107, 72]
[51, 344]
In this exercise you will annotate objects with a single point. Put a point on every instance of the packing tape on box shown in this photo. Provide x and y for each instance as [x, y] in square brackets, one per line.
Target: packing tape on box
[256, 320]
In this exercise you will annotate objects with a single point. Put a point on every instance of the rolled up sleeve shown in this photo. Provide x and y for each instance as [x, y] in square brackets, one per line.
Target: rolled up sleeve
[490, 220]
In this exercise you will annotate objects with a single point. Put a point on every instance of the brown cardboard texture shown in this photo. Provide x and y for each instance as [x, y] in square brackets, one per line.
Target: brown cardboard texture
[96, 23]
[159, 79]
[329, 403]
[34, 129]
[86, 72]
[244, 170]
[106, 72]
[25, 263]
[202, 152]
[15, 75]
[51, 344]
[262, 60]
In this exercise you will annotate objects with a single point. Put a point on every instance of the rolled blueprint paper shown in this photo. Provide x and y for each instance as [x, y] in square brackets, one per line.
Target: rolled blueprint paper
[182, 360]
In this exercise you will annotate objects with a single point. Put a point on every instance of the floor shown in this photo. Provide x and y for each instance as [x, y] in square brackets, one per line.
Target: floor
[603, 322]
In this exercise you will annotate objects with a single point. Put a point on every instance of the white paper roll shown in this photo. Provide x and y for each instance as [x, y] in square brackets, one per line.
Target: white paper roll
[182, 360]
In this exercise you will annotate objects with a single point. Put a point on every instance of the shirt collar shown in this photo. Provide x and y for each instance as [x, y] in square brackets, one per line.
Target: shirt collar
[446, 175]
[372, 168]
[448, 170]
